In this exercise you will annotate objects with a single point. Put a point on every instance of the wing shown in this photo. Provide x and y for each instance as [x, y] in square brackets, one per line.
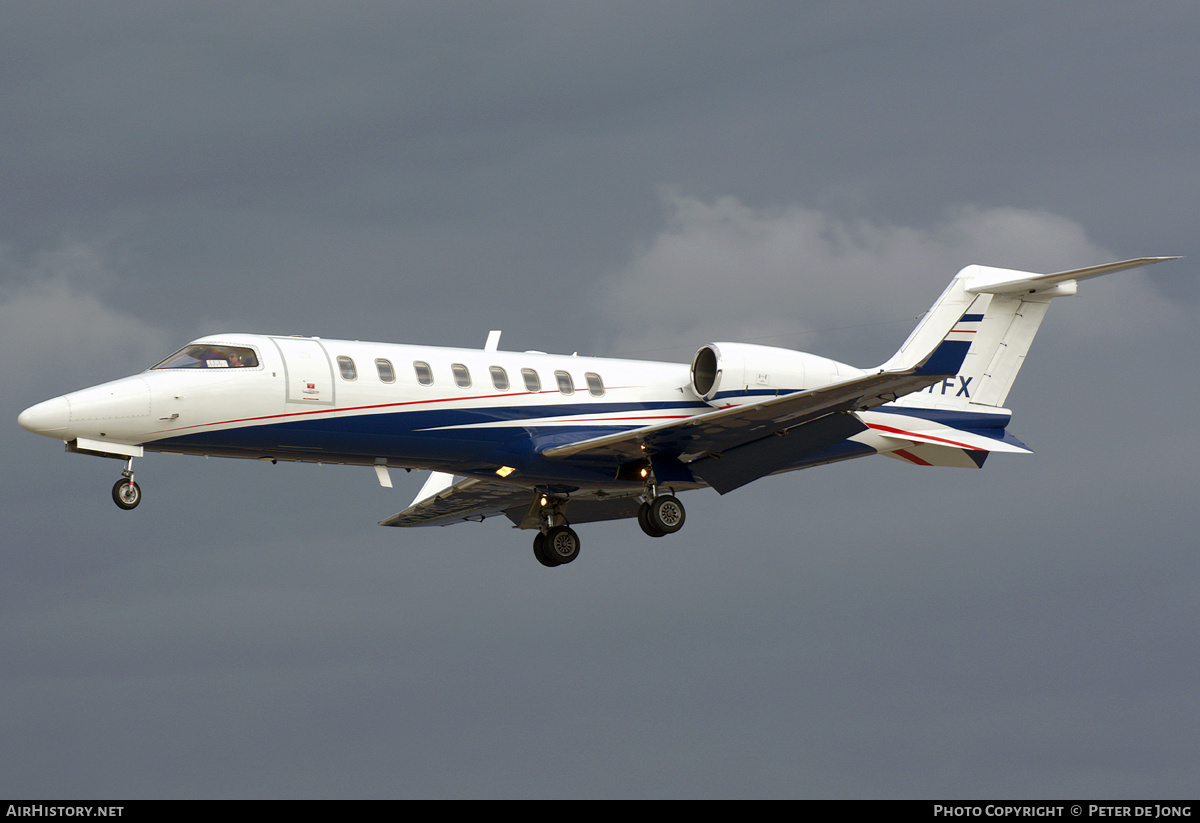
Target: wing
[722, 429]
[728, 448]
[442, 502]
[474, 500]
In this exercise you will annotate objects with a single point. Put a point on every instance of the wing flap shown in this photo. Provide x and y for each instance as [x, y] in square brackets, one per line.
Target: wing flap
[734, 468]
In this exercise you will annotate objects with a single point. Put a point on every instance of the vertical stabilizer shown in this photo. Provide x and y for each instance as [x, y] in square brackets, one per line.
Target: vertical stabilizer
[1006, 311]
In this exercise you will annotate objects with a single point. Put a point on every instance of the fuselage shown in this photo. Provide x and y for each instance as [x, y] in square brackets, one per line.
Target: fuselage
[473, 412]
[466, 411]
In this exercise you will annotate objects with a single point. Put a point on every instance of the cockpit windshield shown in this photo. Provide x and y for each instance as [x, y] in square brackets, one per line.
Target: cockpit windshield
[210, 357]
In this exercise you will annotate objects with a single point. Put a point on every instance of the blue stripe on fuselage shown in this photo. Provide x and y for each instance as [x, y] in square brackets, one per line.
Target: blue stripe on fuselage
[451, 437]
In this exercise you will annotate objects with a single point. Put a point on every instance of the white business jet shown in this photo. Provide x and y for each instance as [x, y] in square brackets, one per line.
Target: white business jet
[549, 440]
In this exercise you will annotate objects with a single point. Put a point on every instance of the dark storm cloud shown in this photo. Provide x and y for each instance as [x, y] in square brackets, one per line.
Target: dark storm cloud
[625, 177]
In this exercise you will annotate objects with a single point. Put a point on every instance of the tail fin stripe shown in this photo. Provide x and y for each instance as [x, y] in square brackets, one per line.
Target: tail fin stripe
[947, 358]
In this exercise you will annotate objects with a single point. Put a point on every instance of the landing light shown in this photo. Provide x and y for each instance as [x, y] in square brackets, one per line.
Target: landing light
[505, 471]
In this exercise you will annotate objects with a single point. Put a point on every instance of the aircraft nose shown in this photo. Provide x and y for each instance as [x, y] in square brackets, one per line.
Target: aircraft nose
[49, 418]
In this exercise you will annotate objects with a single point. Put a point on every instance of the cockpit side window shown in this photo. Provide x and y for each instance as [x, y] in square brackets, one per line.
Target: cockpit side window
[211, 357]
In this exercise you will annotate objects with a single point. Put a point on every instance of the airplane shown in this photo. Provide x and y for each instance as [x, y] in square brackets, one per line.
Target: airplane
[552, 440]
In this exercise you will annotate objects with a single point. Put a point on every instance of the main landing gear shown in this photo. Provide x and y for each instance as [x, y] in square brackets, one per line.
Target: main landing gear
[556, 546]
[126, 492]
[556, 543]
[660, 516]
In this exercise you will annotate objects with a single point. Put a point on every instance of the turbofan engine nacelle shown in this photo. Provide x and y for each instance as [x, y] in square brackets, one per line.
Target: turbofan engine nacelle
[730, 374]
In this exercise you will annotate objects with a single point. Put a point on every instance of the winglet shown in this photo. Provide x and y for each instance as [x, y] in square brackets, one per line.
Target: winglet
[435, 484]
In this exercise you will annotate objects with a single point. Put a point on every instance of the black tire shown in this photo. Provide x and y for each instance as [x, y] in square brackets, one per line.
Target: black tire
[644, 521]
[561, 545]
[539, 551]
[126, 493]
[666, 514]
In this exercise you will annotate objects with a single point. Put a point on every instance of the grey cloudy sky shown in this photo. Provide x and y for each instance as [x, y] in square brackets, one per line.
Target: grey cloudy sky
[632, 179]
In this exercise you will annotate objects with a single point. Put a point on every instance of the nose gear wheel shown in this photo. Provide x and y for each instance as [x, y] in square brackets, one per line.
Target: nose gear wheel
[126, 493]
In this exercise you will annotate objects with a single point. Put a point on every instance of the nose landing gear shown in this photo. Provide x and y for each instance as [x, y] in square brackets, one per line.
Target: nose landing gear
[126, 493]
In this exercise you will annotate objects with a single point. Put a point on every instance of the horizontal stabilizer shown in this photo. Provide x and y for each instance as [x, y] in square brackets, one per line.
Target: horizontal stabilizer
[989, 280]
[917, 430]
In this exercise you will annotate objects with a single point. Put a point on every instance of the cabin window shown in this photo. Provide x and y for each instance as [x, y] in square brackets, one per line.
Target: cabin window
[346, 367]
[532, 383]
[595, 384]
[565, 384]
[211, 357]
[424, 373]
[499, 378]
[462, 377]
[386, 373]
